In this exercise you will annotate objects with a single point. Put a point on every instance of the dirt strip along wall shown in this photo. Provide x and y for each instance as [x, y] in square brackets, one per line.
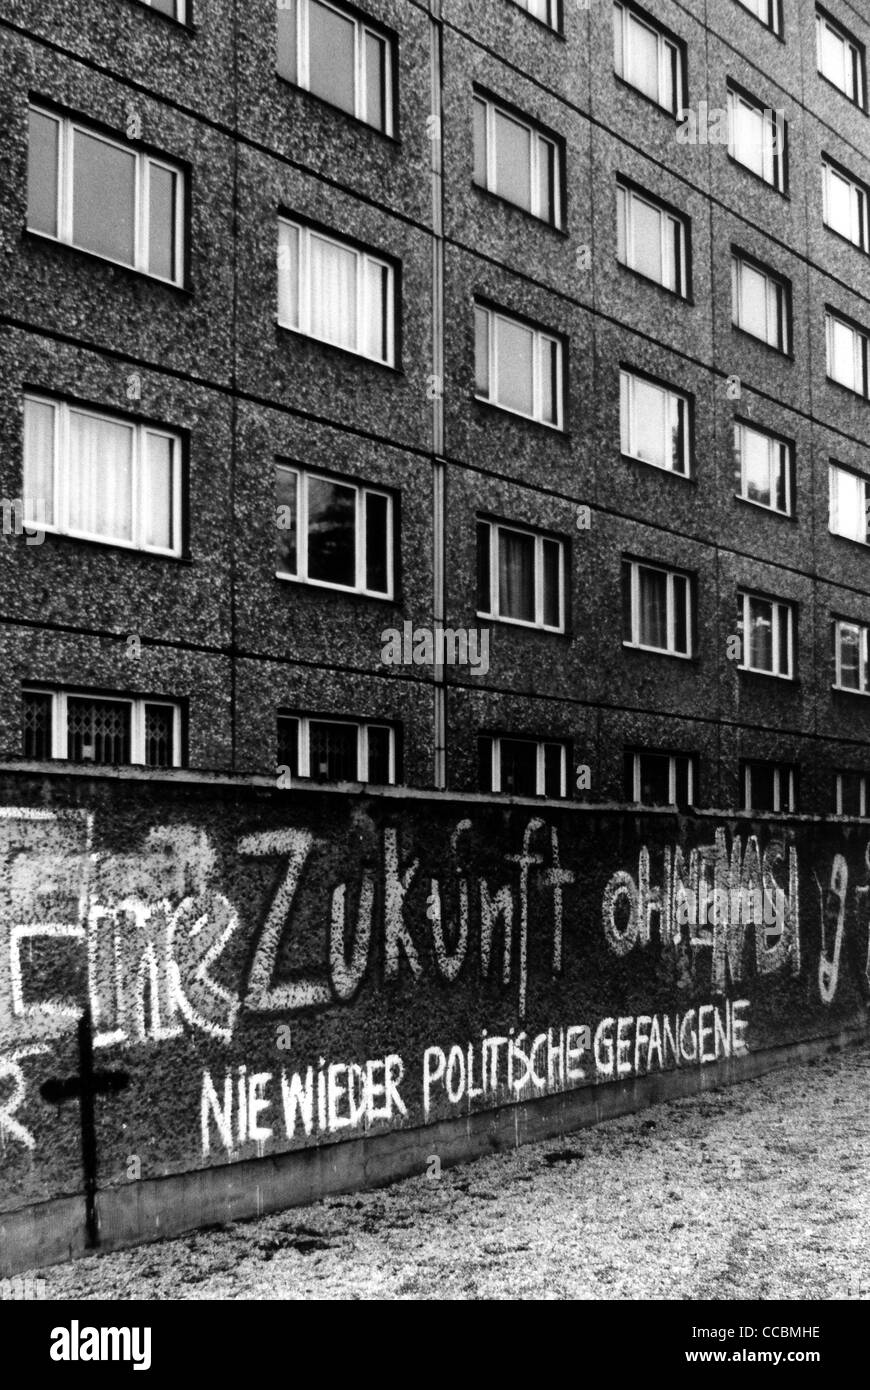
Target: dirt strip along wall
[274, 970]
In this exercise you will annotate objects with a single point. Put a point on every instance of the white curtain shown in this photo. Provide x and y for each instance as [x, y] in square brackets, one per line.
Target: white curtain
[333, 293]
[288, 275]
[39, 430]
[100, 478]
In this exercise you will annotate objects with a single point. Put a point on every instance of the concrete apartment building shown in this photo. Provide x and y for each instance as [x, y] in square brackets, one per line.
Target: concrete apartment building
[323, 321]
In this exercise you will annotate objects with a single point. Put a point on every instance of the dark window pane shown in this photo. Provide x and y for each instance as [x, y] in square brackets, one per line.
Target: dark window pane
[552, 567]
[516, 575]
[851, 793]
[484, 532]
[653, 608]
[288, 744]
[484, 764]
[42, 174]
[159, 720]
[379, 756]
[377, 565]
[481, 352]
[684, 795]
[376, 97]
[286, 64]
[627, 635]
[334, 752]
[331, 56]
[104, 198]
[553, 758]
[681, 631]
[519, 767]
[161, 245]
[655, 779]
[784, 644]
[286, 519]
[762, 787]
[36, 710]
[331, 532]
[98, 731]
[547, 180]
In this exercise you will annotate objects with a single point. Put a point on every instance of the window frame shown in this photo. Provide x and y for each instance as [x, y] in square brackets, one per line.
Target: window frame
[540, 135]
[860, 352]
[554, 10]
[637, 754]
[779, 768]
[540, 336]
[363, 491]
[624, 12]
[863, 633]
[778, 605]
[853, 46]
[627, 194]
[862, 792]
[635, 566]
[494, 528]
[541, 745]
[59, 722]
[782, 312]
[362, 726]
[363, 26]
[364, 257]
[774, 12]
[775, 441]
[182, 11]
[833, 502]
[774, 157]
[628, 377]
[831, 167]
[141, 430]
[67, 126]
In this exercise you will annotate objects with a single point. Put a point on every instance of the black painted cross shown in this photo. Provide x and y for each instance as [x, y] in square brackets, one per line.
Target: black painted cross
[85, 1088]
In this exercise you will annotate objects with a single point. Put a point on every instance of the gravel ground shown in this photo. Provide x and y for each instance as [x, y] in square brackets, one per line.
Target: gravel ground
[754, 1191]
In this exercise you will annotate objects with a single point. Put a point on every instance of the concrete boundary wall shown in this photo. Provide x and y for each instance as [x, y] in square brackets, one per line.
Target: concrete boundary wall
[276, 995]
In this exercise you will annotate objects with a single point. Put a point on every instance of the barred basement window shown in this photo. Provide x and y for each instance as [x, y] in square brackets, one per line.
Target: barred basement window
[760, 303]
[769, 786]
[514, 159]
[656, 609]
[520, 576]
[845, 204]
[333, 291]
[768, 11]
[841, 58]
[848, 499]
[652, 239]
[523, 767]
[654, 423]
[850, 794]
[334, 534]
[107, 731]
[765, 464]
[102, 478]
[648, 58]
[851, 656]
[518, 367]
[336, 55]
[660, 779]
[846, 346]
[757, 138]
[335, 750]
[90, 191]
[766, 627]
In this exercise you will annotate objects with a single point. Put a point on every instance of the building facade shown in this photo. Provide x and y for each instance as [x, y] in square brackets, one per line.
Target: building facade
[467, 396]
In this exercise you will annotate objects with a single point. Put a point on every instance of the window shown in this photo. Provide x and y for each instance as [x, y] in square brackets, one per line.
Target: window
[848, 515]
[845, 204]
[654, 423]
[514, 159]
[334, 533]
[330, 290]
[547, 11]
[846, 347]
[840, 57]
[175, 9]
[766, 627]
[337, 56]
[657, 609]
[760, 303]
[850, 794]
[517, 367]
[523, 767]
[87, 190]
[335, 750]
[852, 671]
[660, 779]
[520, 576]
[765, 464]
[757, 138]
[647, 58]
[101, 477]
[769, 786]
[104, 730]
[768, 11]
[651, 240]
